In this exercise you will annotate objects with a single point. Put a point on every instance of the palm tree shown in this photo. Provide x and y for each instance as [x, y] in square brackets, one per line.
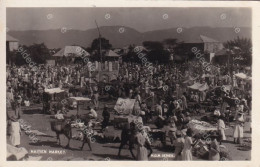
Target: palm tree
[241, 49]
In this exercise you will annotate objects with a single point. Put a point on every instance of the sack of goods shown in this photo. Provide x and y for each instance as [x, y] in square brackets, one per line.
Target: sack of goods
[201, 149]
[200, 127]
[57, 125]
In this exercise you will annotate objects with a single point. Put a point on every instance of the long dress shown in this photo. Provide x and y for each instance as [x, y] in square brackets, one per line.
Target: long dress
[221, 128]
[15, 133]
[142, 154]
[239, 130]
[186, 153]
[178, 144]
[13, 116]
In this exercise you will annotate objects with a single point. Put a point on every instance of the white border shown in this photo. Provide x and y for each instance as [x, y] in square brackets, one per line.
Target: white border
[132, 3]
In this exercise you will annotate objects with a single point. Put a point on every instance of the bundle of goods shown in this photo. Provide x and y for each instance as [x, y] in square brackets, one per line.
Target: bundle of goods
[110, 134]
[124, 106]
[123, 121]
[201, 150]
[201, 127]
[246, 145]
[224, 153]
[58, 125]
[77, 125]
[14, 153]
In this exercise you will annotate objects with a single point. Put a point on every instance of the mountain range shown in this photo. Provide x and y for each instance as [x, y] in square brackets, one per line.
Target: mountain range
[120, 36]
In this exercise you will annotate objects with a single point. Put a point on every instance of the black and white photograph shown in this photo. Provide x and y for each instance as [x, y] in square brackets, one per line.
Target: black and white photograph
[128, 83]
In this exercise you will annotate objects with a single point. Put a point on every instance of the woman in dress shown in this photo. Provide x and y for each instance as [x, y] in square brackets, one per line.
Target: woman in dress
[178, 144]
[239, 129]
[142, 141]
[188, 143]
[221, 128]
[13, 120]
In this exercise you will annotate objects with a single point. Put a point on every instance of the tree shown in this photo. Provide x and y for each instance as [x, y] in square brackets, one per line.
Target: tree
[34, 54]
[105, 45]
[153, 45]
[170, 43]
[156, 53]
[241, 49]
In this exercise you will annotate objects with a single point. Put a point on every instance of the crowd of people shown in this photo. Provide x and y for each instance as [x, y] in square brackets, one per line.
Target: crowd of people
[163, 95]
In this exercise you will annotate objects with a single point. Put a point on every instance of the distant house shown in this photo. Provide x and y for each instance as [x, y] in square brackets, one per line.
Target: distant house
[12, 43]
[204, 44]
[211, 45]
[71, 51]
[70, 54]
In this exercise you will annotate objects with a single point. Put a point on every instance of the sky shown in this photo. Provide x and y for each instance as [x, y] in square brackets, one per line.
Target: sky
[141, 19]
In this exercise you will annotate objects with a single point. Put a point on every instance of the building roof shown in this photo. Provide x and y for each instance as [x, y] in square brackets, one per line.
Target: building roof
[75, 51]
[201, 39]
[111, 53]
[207, 39]
[9, 38]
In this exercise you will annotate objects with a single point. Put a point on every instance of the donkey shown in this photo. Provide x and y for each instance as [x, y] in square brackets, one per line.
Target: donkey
[64, 128]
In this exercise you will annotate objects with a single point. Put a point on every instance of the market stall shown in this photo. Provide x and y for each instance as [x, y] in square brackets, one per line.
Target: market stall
[80, 100]
[52, 98]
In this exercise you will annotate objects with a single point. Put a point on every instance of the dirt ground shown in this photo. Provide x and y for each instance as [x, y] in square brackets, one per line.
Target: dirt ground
[105, 151]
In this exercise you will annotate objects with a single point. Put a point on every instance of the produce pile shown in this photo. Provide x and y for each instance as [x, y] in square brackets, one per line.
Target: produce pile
[200, 127]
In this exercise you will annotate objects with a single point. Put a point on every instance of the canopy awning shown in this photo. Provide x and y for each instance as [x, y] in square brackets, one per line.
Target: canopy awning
[243, 76]
[80, 98]
[53, 90]
[199, 86]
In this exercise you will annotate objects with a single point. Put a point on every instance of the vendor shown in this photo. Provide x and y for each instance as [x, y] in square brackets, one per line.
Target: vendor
[106, 116]
[92, 114]
[178, 145]
[172, 131]
[239, 128]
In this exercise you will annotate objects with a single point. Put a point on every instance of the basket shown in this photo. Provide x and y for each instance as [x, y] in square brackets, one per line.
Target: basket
[57, 125]
[202, 151]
